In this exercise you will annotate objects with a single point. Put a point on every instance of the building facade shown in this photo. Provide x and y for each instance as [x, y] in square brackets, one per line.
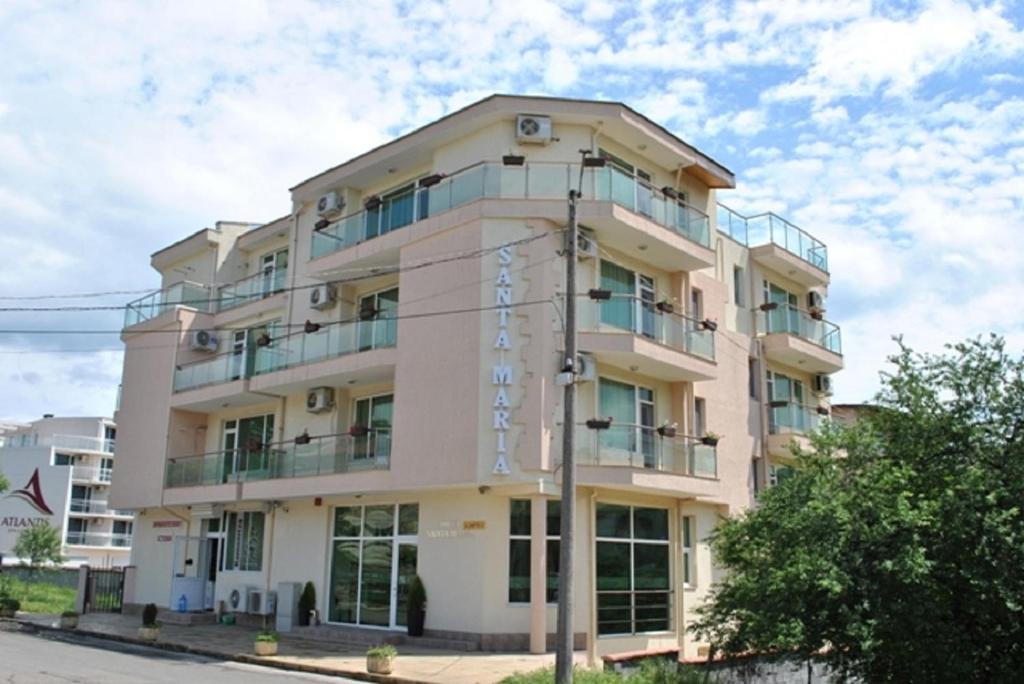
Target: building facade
[60, 470]
[367, 388]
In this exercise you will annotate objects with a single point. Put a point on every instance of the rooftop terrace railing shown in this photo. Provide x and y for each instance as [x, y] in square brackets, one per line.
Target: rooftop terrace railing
[769, 228]
[492, 180]
[152, 305]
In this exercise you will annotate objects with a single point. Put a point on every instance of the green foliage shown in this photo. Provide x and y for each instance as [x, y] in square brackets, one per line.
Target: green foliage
[652, 671]
[37, 597]
[307, 602]
[417, 594]
[149, 613]
[40, 545]
[4, 484]
[69, 614]
[895, 552]
[382, 651]
[267, 636]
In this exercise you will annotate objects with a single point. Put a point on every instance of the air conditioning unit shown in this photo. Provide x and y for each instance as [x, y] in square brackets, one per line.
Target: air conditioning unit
[586, 245]
[586, 367]
[203, 340]
[330, 204]
[533, 130]
[322, 297]
[270, 604]
[823, 383]
[320, 399]
[254, 601]
[815, 302]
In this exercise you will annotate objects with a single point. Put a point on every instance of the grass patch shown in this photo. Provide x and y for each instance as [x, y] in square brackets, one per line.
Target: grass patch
[40, 597]
[652, 671]
[547, 676]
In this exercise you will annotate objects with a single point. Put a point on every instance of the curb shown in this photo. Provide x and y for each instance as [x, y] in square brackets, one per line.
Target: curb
[219, 655]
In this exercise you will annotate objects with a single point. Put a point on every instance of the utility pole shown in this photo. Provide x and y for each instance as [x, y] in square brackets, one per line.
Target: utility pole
[566, 583]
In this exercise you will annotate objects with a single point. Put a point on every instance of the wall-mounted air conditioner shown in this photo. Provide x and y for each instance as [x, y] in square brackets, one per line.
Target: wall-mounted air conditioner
[586, 367]
[823, 383]
[815, 302]
[203, 340]
[330, 204]
[320, 399]
[323, 297]
[533, 130]
[586, 245]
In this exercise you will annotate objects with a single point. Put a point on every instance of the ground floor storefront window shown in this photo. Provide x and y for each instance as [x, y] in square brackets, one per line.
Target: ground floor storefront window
[519, 550]
[373, 559]
[633, 575]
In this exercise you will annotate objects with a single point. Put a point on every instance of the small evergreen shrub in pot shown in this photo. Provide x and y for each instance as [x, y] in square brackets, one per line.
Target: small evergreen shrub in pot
[381, 659]
[416, 613]
[150, 629]
[68, 619]
[307, 603]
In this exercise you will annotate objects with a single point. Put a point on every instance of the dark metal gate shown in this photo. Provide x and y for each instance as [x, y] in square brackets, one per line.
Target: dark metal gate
[104, 590]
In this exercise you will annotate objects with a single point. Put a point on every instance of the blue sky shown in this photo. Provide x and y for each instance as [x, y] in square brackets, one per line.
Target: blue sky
[894, 132]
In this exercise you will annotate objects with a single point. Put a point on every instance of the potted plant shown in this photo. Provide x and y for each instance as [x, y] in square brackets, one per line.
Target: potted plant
[9, 606]
[307, 602]
[68, 619]
[665, 306]
[707, 324]
[417, 610]
[266, 643]
[710, 439]
[667, 430]
[150, 629]
[359, 430]
[381, 659]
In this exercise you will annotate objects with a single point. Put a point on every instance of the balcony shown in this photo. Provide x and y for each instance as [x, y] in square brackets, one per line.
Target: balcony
[91, 474]
[637, 336]
[797, 339]
[626, 213]
[790, 422]
[778, 245]
[96, 507]
[69, 443]
[152, 305]
[327, 455]
[100, 539]
[643, 447]
[251, 289]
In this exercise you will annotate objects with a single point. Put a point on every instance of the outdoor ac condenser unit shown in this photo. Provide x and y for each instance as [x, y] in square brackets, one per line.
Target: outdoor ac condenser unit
[532, 129]
[330, 204]
[320, 399]
[586, 245]
[823, 383]
[203, 340]
[254, 601]
[322, 297]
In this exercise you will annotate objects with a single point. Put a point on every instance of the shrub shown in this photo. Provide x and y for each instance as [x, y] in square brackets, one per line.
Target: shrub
[149, 616]
[267, 636]
[382, 651]
[10, 603]
[307, 602]
[580, 676]
[417, 594]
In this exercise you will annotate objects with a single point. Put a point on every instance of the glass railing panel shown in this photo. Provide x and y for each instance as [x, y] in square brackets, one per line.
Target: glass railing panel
[221, 368]
[645, 447]
[769, 228]
[643, 318]
[152, 305]
[793, 418]
[252, 288]
[548, 181]
[791, 320]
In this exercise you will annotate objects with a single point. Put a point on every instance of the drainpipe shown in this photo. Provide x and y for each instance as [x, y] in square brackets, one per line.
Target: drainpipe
[592, 637]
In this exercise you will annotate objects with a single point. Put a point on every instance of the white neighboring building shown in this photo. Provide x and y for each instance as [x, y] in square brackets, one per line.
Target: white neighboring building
[59, 471]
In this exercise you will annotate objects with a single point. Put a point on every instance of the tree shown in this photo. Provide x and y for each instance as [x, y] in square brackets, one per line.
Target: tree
[4, 484]
[39, 544]
[895, 552]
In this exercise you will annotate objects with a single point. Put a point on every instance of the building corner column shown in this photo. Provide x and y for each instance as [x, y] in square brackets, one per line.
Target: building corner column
[538, 574]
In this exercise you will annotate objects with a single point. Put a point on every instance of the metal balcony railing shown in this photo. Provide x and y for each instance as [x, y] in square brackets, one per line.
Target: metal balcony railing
[98, 539]
[769, 228]
[624, 313]
[326, 455]
[642, 446]
[786, 318]
[492, 180]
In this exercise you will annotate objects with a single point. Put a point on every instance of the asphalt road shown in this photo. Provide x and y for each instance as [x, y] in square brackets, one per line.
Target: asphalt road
[47, 658]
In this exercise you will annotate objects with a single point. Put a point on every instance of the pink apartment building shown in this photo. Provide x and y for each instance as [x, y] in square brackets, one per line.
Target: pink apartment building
[365, 389]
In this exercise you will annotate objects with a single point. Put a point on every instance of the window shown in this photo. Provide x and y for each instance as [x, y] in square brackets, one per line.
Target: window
[633, 579]
[738, 286]
[274, 270]
[245, 541]
[63, 459]
[520, 521]
[699, 417]
[377, 323]
[753, 378]
[786, 316]
[375, 415]
[122, 533]
[374, 556]
[632, 431]
[696, 304]
[689, 571]
[786, 412]
[778, 474]
[246, 443]
[78, 529]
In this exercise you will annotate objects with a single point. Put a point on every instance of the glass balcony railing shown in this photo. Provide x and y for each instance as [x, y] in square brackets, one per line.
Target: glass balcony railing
[368, 449]
[152, 305]
[331, 341]
[769, 228]
[95, 507]
[491, 180]
[98, 539]
[792, 418]
[640, 446]
[91, 474]
[252, 288]
[632, 314]
[786, 318]
[69, 442]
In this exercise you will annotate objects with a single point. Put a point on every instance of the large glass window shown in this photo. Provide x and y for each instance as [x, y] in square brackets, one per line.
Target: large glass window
[633, 577]
[787, 411]
[373, 560]
[689, 530]
[246, 445]
[519, 550]
[372, 419]
[245, 541]
[378, 326]
[632, 431]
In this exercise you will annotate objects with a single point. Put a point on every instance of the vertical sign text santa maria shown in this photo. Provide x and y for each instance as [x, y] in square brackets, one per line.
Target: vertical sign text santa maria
[501, 372]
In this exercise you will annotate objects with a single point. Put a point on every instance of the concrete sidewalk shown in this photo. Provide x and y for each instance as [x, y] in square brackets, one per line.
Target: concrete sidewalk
[413, 665]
